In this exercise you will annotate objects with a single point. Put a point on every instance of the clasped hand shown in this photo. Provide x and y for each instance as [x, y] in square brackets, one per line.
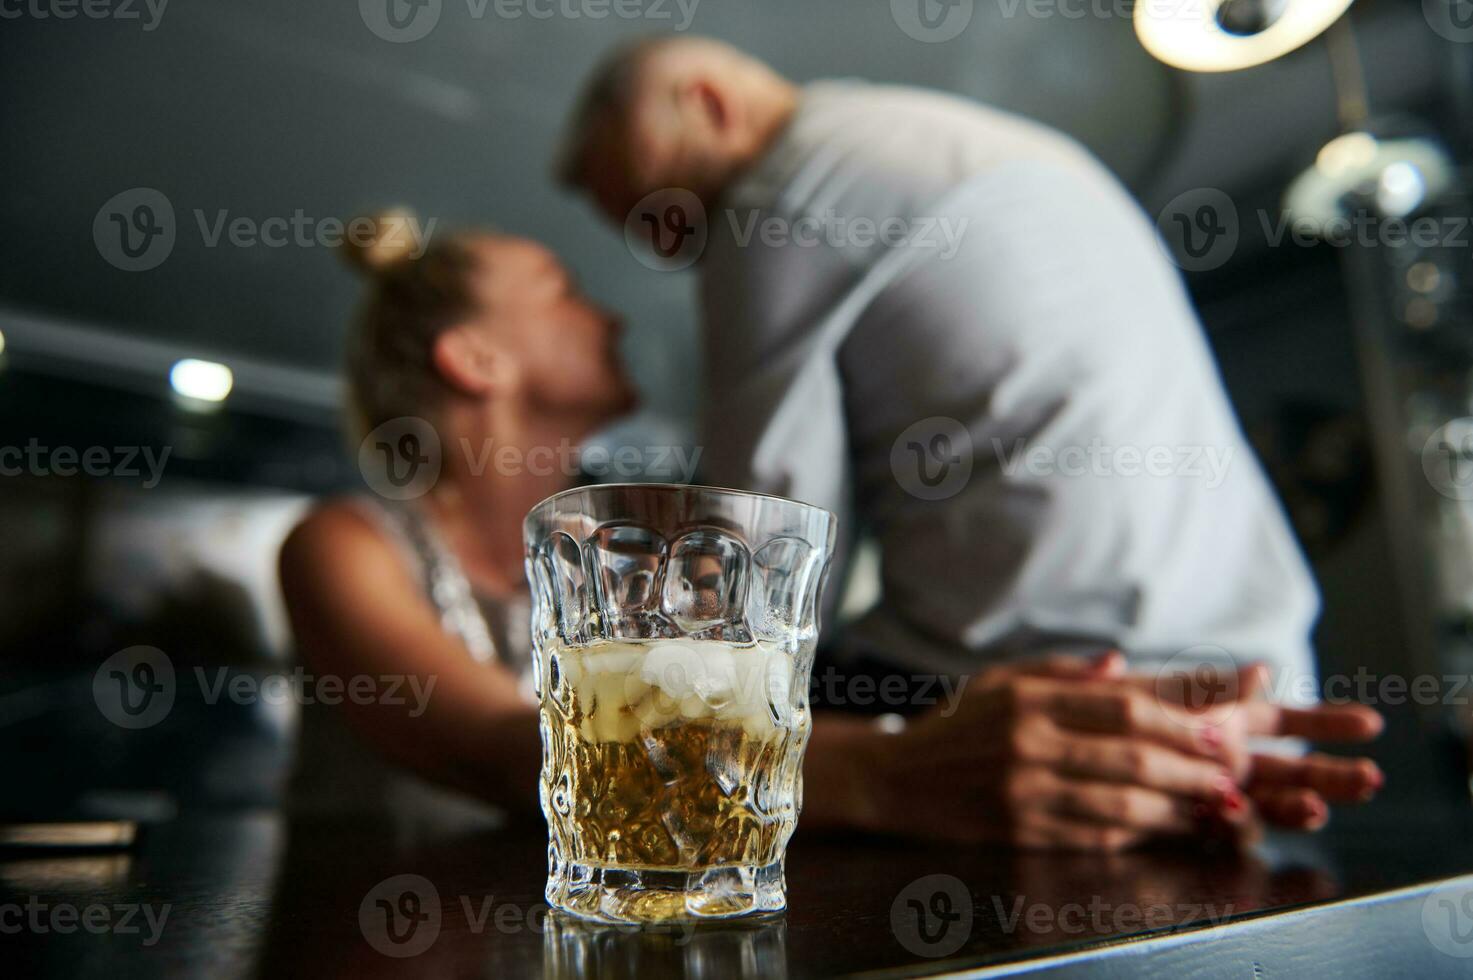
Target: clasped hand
[1078, 753]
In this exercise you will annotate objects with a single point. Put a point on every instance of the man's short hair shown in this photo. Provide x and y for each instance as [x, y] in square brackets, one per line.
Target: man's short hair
[608, 92]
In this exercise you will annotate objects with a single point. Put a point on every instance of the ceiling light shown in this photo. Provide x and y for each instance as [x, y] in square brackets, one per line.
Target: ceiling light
[1199, 35]
[202, 380]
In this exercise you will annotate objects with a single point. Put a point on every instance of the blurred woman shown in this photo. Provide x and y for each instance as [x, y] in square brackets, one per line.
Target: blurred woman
[485, 339]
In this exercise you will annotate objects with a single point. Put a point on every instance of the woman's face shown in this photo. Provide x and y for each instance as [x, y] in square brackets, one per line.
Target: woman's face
[564, 348]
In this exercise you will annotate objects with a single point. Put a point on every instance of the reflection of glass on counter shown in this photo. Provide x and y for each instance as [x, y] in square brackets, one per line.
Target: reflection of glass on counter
[576, 948]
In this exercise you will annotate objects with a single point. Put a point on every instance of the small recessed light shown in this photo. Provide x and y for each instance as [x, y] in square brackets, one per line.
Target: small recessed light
[205, 381]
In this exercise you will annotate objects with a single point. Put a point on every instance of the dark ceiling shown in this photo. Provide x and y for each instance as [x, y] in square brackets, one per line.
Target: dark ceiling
[265, 109]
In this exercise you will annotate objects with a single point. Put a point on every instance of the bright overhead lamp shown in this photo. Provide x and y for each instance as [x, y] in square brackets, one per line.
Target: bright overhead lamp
[204, 381]
[1227, 35]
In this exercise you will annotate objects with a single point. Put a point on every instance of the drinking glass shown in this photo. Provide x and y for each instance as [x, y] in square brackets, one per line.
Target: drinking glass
[673, 632]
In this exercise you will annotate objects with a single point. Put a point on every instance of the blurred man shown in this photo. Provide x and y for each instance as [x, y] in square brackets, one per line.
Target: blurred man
[954, 328]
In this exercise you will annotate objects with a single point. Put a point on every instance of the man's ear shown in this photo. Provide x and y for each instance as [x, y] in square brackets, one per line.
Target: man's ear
[712, 103]
[471, 362]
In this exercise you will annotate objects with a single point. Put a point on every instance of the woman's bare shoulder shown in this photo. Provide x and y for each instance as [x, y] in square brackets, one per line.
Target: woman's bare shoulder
[335, 534]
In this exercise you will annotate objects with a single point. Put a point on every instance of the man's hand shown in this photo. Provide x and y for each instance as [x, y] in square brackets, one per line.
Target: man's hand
[1079, 754]
[1068, 753]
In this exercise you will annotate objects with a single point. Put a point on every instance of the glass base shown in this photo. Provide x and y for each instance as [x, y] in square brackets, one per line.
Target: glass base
[644, 895]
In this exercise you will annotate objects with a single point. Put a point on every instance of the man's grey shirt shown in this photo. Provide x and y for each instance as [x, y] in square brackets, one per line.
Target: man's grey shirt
[955, 328]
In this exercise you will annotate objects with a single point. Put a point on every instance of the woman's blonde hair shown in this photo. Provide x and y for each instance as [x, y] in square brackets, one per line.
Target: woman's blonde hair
[413, 297]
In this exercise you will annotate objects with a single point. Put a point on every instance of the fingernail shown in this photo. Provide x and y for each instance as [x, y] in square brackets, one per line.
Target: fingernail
[1319, 815]
[1374, 781]
[1234, 806]
[1211, 737]
[1224, 787]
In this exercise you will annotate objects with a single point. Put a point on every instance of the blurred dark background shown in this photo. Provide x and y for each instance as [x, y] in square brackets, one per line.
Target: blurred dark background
[1342, 360]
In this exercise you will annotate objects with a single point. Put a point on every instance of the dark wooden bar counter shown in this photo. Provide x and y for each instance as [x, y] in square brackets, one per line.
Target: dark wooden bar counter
[258, 895]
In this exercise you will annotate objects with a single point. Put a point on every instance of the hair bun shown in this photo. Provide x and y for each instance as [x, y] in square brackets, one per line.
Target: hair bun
[374, 242]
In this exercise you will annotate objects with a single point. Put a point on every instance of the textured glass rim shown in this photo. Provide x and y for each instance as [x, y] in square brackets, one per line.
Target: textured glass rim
[677, 487]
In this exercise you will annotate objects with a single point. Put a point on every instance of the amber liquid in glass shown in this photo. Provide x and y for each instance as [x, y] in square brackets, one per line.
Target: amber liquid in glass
[671, 756]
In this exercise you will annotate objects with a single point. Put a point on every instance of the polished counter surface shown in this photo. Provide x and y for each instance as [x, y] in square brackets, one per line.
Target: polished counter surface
[256, 894]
